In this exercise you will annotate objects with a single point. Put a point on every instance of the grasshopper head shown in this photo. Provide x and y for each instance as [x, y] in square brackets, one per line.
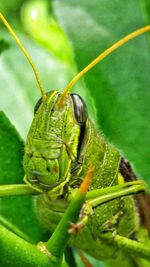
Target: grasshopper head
[51, 148]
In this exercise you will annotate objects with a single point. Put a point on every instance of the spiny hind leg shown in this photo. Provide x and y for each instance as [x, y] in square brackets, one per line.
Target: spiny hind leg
[100, 196]
[133, 247]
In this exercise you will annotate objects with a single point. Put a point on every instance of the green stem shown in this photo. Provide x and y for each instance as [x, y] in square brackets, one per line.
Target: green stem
[17, 252]
[59, 239]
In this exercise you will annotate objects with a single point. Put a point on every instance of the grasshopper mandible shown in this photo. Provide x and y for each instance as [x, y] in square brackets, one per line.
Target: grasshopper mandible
[56, 158]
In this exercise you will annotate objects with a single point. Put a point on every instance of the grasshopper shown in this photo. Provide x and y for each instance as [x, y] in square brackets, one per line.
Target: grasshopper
[61, 145]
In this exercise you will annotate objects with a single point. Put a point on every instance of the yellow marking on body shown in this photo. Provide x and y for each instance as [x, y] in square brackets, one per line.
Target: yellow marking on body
[120, 179]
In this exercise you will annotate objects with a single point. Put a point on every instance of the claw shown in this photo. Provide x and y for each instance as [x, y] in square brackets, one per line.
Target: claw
[75, 227]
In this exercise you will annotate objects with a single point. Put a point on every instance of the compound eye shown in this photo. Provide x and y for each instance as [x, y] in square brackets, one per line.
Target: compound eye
[80, 109]
[37, 105]
[39, 102]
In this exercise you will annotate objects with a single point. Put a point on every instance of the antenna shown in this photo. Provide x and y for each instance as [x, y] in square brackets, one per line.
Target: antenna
[26, 55]
[101, 57]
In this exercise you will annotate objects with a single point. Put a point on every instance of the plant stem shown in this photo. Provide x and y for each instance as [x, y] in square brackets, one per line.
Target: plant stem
[59, 239]
[14, 251]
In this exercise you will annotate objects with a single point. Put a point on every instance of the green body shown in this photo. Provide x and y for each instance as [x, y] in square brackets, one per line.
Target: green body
[58, 153]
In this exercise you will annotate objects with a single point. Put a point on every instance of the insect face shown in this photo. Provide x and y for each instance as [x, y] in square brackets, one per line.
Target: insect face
[52, 143]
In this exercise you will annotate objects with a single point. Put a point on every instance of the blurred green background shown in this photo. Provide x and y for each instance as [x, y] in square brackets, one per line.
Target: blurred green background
[62, 37]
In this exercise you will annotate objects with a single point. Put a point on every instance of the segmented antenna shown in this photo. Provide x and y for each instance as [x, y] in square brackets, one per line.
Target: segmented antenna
[101, 57]
[26, 55]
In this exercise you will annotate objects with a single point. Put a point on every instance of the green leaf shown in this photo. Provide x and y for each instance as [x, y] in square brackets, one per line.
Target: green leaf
[120, 84]
[16, 213]
[3, 45]
[11, 152]
[40, 23]
[9, 7]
